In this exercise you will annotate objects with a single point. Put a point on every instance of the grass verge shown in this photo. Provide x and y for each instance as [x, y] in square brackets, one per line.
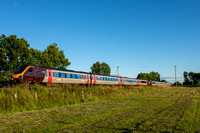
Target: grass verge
[20, 98]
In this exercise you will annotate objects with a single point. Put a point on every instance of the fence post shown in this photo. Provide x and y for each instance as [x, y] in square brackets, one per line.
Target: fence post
[82, 94]
[73, 94]
[15, 96]
[35, 94]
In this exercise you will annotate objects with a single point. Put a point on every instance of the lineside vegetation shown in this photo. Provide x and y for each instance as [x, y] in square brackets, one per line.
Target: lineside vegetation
[20, 98]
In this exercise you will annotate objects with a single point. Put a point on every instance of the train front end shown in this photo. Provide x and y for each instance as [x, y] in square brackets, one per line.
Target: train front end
[18, 75]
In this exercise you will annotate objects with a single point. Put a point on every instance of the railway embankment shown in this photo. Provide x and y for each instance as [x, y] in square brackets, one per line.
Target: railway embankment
[20, 98]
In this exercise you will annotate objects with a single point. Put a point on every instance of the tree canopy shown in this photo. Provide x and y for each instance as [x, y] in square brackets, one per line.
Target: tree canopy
[153, 76]
[191, 78]
[15, 52]
[101, 68]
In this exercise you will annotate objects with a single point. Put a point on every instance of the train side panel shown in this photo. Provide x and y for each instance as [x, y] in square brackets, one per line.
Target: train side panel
[67, 77]
[104, 80]
[130, 81]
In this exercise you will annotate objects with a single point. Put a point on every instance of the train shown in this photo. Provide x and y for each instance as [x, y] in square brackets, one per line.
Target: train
[29, 74]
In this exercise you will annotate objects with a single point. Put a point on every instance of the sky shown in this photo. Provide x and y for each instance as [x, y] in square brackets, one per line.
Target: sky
[136, 35]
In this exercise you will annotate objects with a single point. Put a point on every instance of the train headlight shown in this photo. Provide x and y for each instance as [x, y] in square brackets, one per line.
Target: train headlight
[20, 77]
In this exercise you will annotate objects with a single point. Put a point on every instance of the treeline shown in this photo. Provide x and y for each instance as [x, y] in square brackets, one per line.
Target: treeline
[15, 52]
[153, 76]
[191, 78]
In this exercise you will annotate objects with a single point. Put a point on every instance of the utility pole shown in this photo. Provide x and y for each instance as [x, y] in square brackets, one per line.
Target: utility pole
[118, 71]
[175, 75]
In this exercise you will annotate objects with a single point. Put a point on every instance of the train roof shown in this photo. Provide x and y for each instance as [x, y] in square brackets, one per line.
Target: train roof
[58, 69]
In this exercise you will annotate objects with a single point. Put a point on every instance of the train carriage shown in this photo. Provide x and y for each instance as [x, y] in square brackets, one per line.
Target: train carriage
[142, 82]
[67, 77]
[130, 81]
[98, 79]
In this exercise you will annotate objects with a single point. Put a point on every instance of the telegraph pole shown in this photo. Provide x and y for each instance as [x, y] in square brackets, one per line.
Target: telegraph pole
[175, 75]
[118, 71]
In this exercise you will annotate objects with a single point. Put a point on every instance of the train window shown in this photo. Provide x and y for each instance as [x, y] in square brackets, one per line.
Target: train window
[63, 75]
[55, 74]
[143, 82]
[20, 70]
[68, 75]
[154, 82]
[74, 76]
[78, 77]
[83, 76]
[49, 74]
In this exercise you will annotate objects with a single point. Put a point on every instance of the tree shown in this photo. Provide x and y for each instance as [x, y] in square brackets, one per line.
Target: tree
[178, 83]
[105, 69]
[186, 79]
[54, 58]
[163, 81]
[15, 52]
[153, 76]
[101, 68]
[194, 77]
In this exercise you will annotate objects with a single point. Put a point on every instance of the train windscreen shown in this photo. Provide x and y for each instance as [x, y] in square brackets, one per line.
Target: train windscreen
[21, 69]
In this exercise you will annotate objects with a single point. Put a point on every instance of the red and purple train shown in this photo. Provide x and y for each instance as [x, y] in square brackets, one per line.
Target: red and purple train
[49, 76]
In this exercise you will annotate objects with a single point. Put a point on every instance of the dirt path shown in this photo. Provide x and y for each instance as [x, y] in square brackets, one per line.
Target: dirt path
[162, 111]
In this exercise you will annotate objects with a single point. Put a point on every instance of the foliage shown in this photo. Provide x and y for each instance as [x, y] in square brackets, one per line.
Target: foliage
[163, 81]
[19, 98]
[153, 76]
[101, 68]
[178, 83]
[15, 52]
[191, 78]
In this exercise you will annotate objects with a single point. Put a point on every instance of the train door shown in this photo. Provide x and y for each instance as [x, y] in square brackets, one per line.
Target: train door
[119, 80]
[49, 75]
[88, 79]
[94, 78]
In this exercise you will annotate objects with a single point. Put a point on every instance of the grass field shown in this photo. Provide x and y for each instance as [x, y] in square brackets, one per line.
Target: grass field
[166, 110]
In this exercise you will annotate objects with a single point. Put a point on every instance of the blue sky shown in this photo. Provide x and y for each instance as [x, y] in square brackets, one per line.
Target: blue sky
[136, 35]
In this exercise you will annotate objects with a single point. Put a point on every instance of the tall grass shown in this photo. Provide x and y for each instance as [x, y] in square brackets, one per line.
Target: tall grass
[20, 98]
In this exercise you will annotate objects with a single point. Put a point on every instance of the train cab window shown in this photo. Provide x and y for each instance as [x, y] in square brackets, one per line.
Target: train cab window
[31, 70]
[21, 69]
